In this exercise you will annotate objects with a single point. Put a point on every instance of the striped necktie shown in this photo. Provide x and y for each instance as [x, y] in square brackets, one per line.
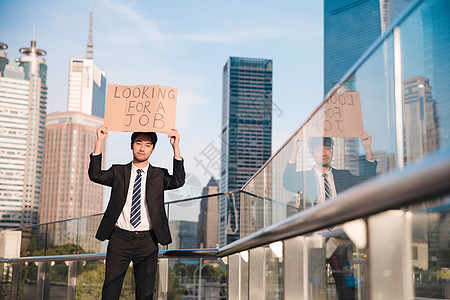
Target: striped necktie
[135, 217]
[327, 187]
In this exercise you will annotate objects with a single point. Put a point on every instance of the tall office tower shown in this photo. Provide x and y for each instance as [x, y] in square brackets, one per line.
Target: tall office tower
[67, 191]
[420, 123]
[350, 27]
[87, 83]
[208, 220]
[246, 131]
[23, 101]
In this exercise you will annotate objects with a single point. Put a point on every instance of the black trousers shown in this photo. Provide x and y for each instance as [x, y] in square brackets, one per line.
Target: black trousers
[126, 246]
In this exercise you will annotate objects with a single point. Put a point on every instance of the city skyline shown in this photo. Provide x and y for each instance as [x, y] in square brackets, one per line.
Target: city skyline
[135, 45]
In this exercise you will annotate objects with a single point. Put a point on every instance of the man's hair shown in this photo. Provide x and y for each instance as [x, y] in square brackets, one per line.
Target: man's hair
[314, 142]
[150, 135]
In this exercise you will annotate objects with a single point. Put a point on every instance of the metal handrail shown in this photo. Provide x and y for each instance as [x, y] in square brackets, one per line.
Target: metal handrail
[201, 197]
[418, 182]
[179, 253]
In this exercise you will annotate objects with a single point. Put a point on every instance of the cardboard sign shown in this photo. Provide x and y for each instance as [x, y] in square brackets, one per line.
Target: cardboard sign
[340, 116]
[140, 108]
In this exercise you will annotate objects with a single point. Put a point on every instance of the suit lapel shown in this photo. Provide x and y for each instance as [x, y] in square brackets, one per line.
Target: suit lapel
[150, 173]
[126, 179]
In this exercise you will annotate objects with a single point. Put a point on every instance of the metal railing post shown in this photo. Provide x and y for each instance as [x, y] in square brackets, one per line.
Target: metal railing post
[43, 281]
[390, 255]
[256, 274]
[163, 279]
[71, 280]
[15, 281]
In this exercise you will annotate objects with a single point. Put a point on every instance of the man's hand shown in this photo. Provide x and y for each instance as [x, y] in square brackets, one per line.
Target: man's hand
[175, 142]
[102, 132]
[366, 141]
[296, 142]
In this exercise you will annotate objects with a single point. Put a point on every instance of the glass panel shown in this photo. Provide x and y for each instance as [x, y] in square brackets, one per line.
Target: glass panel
[183, 223]
[90, 276]
[336, 267]
[430, 248]
[86, 241]
[62, 238]
[425, 38]
[58, 280]
[27, 280]
[274, 281]
[186, 274]
[6, 279]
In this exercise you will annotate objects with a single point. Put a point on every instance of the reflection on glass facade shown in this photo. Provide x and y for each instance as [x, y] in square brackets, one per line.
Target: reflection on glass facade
[246, 129]
[350, 28]
[421, 132]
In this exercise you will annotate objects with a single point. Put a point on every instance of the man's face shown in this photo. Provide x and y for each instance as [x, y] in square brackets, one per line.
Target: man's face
[323, 155]
[142, 148]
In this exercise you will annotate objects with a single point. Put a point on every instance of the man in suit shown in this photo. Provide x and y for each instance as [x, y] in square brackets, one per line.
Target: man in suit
[324, 182]
[135, 220]
[311, 183]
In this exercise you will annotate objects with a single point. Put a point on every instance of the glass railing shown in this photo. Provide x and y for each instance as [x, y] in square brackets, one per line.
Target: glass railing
[388, 113]
[191, 274]
[384, 239]
[68, 255]
[390, 110]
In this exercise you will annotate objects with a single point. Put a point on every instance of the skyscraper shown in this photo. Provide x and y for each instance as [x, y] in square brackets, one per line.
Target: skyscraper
[208, 220]
[87, 83]
[23, 101]
[67, 191]
[69, 139]
[350, 28]
[246, 131]
[420, 122]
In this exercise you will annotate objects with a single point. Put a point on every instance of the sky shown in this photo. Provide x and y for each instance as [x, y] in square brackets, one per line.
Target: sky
[182, 44]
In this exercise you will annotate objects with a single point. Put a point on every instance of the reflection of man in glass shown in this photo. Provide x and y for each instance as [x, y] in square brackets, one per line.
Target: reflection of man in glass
[323, 182]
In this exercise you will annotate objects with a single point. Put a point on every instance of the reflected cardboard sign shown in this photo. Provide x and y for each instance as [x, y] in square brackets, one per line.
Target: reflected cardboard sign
[140, 108]
[340, 116]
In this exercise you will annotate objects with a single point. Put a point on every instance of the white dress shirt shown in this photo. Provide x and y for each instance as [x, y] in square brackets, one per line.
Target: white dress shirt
[124, 219]
[321, 185]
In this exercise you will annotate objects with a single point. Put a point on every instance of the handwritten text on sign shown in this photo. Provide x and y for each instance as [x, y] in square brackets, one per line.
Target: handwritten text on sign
[140, 108]
[340, 116]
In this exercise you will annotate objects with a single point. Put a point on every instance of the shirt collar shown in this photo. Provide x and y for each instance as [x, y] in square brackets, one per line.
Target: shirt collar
[134, 168]
[319, 174]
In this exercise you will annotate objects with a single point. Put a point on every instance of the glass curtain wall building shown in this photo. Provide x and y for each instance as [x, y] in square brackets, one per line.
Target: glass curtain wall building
[23, 101]
[246, 132]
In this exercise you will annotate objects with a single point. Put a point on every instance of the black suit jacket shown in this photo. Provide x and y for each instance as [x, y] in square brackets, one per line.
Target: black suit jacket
[118, 178]
[304, 182]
